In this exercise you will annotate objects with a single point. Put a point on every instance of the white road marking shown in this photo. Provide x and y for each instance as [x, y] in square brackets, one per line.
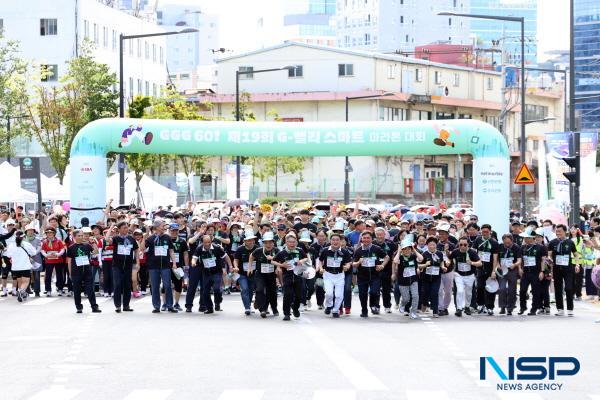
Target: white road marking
[237, 394]
[55, 393]
[33, 338]
[520, 396]
[147, 394]
[469, 364]
[41, 301]
[425, 319]
[426, 395]
[334, 395]
[355, 372]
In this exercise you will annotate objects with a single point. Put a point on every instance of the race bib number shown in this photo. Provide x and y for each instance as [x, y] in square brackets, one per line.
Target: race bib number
[246, 266]
[563, 261]
[432, 270]
[485, 256]
[161, 251]
[506, 263]
[176, 257]
[464, 267]
[209, 262]
[267, 268]
[82, 261]
[529, 261]
[333, 263]
[368, 262]
[123, 250]
[408, 272]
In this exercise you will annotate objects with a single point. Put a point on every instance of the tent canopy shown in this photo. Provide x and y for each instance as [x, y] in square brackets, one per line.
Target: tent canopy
[153, 194]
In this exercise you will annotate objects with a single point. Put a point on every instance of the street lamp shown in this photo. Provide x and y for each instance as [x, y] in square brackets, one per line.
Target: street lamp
[238, 117]
[347, 166]
[531, 121]
[122, 99]
[520, 20]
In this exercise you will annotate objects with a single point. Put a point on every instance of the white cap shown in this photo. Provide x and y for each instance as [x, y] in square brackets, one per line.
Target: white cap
[86, 229]
[249, 234]
[10, 221]
[268, 236]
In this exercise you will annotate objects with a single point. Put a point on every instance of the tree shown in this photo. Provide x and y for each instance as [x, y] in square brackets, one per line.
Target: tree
[13, 94]
[85, 94]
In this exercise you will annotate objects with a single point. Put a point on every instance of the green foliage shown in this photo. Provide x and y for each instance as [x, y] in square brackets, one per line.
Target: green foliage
[269, 200]
[85, 94]
[265, 167]
[13, 94]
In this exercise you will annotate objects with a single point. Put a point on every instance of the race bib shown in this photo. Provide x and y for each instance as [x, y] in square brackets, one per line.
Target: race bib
[529, 261]
[562, 260]
[161, 251]
[234, 246]
[464, 267]
[485, 256]
[506, 263]
[246, 265]
[209, 262]
[123, 250]
[267, 268]
[432, 270]
[107, 252]
[176, 257]
[408, 272]
[82, 261]
[368, 262]
[333, 263]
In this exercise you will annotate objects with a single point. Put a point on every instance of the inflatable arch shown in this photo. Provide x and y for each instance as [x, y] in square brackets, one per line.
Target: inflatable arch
[336, 139]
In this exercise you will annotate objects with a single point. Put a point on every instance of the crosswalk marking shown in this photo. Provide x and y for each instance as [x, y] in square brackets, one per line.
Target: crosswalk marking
[55, 393]
[41, 301]
[237, 394]
[426, 395]
[334, 395]
[148, 394]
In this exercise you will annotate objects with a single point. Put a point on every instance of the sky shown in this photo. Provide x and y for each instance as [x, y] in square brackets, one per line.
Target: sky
[238, 21]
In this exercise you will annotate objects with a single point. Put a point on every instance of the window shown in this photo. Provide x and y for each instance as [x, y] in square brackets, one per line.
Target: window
[146, 50]
[406, 39]
[534, 112]
[419, 75]
[139, 87]
[153, 52]
[248, 74]
[131, 87]
[49, 72]
[449, 21]
[392, 71]
[161, 54]
[456, 79]
[104, 36]
[454, 3]
[492, 120]
[490, 83]
[536, 145]
[437, 77]
[345, 69]
[139, 47]
[444, 115]
[154, 90]
[96, 39]
[114, 39]
[465, 116]
[367, 38]
[184, 76]
[1, 25]
[296, 72]
[130, 47]
[392, 114]
[86, 29]
[402, 19]
[147, 88]
[48, 26]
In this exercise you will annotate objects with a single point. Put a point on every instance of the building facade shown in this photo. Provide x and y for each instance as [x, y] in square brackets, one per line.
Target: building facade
[390, 26]
[408, 89]
[587, 62]
[487, 32]
[310, 21]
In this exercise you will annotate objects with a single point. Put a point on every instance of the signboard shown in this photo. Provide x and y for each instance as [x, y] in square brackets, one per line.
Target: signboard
[29, 168]
[231, 180]
[524, 176]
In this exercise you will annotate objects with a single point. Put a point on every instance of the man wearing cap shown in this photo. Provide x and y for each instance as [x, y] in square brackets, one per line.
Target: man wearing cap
[212, 259]
[242, 259]
[487, 248]
[288, 260]
[263, 270]
[509, 256]
[390, 249]
[533, 258]
[53, 251]
[124, 256]
[464, 261]
[370, 260]
[305, 224]
[79, 264]
[406, 263]
[333, 262]
[161, 260]
[182, 259]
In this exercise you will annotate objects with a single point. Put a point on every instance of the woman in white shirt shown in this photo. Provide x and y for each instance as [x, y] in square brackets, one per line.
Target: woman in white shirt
[20, 254]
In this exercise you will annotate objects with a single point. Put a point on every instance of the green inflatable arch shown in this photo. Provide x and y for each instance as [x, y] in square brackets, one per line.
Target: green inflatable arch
[336, 139]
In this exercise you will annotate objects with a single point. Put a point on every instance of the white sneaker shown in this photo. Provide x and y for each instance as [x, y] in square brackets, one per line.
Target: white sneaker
[143, 292]
[14, 292]
[560, 313]
[570, 313]
[397, 306]
[302, 308]
[49, 294]
[413, 315]
[406, 313]
[308, 305]
[388, 310]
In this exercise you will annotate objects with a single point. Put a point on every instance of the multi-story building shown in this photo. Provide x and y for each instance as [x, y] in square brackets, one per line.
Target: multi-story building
[408, 89]
[190, 56]
[487, 32]
[310, 21]
[399, 25]
[587, 62]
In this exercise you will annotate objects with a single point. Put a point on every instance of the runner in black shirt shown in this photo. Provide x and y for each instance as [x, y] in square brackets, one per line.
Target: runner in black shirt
[290, 261]
[80, 269]
[261, 266]
[563, 253]
[487, 249]
[464, 261]
[241, 265]
[509, 260]
[125, 255]
[533, 257]
[432, 269]
[182, 259]
[370, 261]
[212, 259]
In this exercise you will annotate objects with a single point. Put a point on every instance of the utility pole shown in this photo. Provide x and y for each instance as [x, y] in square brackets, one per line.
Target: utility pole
[503, 111]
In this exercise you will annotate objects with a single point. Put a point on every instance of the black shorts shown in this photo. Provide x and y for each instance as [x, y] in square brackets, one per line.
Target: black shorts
[21, 274]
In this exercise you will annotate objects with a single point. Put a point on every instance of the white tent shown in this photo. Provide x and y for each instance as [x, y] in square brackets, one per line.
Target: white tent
[153, 194]
[53, 190]
[12, 181]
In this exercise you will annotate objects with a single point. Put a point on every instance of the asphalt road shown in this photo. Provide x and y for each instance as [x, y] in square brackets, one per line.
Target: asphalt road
[51, 353]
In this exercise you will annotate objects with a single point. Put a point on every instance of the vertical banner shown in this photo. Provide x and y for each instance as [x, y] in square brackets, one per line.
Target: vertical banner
[29, 168]
[491, 178]
[230, 181]
[88, 191]
[557, 147]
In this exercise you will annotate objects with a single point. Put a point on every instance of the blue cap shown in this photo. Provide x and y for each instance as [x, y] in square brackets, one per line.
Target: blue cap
[174, 227]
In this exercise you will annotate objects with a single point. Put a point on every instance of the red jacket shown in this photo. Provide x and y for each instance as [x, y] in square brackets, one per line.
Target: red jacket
[57, 246]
